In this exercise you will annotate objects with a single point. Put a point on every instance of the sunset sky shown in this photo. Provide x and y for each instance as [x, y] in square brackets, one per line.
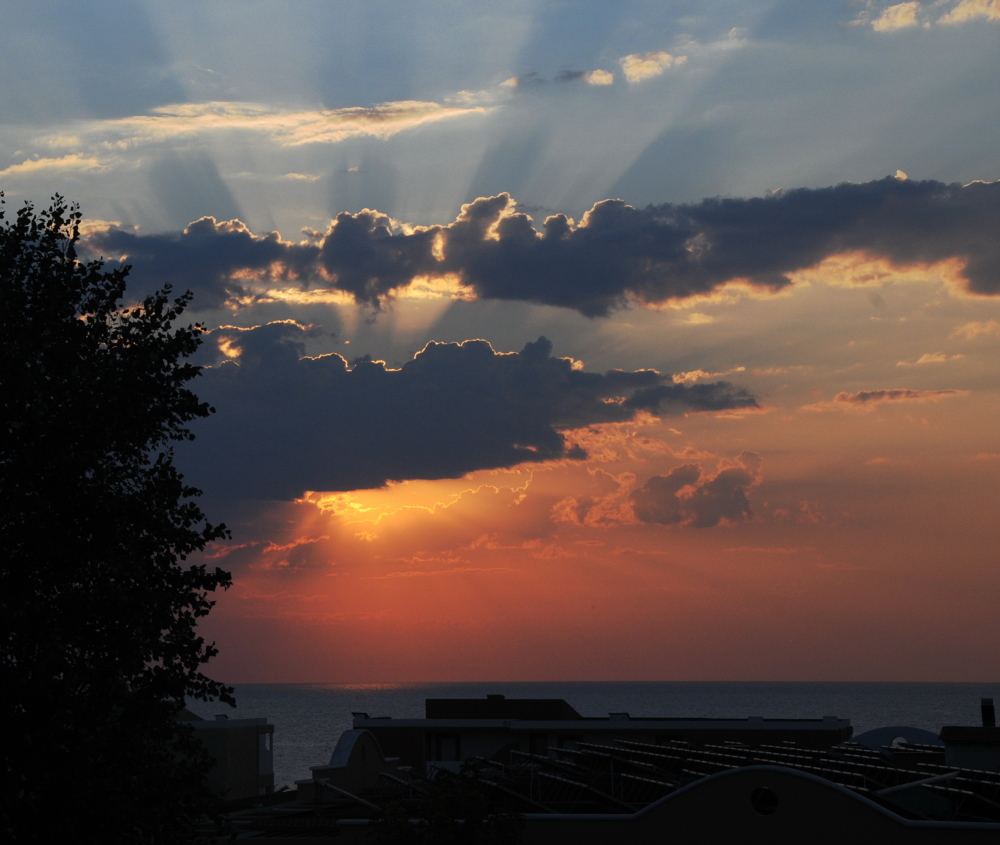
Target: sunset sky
[560, 340]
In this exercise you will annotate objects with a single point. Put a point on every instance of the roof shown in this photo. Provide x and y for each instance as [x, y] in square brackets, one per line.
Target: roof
[639, 793]
[500, 707]
[960, 734]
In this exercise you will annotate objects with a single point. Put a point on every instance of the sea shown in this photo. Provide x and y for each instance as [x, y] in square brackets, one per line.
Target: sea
[308, 719]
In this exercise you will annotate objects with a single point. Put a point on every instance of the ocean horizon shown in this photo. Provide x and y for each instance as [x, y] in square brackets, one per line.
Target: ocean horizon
[309, 718]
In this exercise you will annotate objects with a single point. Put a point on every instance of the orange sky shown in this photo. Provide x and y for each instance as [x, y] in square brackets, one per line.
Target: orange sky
[786, 210]
[870, 553]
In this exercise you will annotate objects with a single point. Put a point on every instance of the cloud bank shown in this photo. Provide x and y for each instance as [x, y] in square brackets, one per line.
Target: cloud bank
[286, 423]
[614, 255]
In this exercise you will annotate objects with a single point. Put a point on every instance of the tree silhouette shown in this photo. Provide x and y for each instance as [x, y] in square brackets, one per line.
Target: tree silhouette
[99, 642]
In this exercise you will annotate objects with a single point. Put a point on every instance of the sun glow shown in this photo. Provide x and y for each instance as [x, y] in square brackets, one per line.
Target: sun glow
[865, 269]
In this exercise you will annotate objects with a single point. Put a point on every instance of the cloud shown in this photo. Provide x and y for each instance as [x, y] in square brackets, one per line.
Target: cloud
[863, 397]
[527, 80]
[284, 127]
[698, 319]
[868, 399]
[33, 166]
[905, 15]
[896, 17]
[970, 331]
[599, 77]
[930, 358]
[639, 66]
[658, 499]
[722, 498]
[615, 254]
[591, 77]
[968, 10]
[714, 396]
[697, 375]
[682, 496]
[288, 423]
[215, 259]
[533, 79]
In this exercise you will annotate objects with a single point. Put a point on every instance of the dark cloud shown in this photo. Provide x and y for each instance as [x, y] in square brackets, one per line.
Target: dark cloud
[361, 252]
[891, 394]
[712, 396]
[867, 400]
[214, 259]
[657, 500]
[614, 254]
[286, 424]
[682, 497]
[724, 497]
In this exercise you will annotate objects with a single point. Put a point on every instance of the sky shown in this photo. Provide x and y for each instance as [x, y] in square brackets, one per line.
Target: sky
[560, 340]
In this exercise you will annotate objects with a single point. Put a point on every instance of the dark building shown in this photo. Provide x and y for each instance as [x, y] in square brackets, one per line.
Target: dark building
[970, 747]
[458, 728]
[243, 754]
[574, 780]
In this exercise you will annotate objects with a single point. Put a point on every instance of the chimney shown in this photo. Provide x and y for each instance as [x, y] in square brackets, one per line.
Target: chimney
[989, 714]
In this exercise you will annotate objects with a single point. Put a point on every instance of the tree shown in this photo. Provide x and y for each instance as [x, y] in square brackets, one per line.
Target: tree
[98, 602]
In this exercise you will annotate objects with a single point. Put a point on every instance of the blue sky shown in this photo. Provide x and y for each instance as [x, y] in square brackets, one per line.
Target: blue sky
[763, 96]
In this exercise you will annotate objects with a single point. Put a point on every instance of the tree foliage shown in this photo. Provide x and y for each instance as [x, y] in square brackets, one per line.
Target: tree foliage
[98, 603]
